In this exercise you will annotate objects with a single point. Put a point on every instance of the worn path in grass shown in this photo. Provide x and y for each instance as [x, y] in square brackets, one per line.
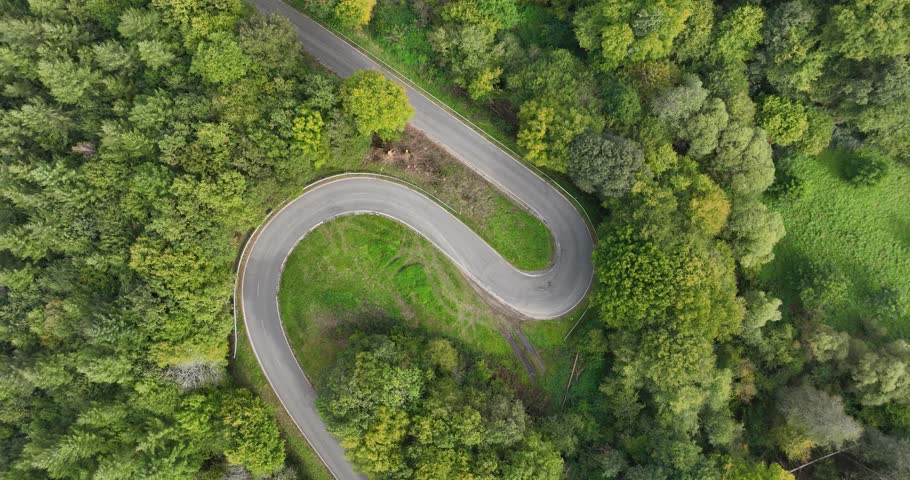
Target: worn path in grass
[545, 294]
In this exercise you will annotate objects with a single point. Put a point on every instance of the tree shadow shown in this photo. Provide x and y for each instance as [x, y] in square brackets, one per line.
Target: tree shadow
[900, 229]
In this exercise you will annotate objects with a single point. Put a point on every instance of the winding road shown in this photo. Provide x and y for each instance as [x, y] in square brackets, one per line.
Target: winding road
[535, 295]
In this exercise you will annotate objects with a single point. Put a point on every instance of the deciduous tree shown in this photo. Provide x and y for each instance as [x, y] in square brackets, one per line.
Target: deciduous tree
[605, 164]
[378, 105]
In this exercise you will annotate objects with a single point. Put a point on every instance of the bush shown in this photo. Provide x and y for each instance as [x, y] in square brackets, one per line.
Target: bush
[866, 167]
[785, 120]
[787, 184]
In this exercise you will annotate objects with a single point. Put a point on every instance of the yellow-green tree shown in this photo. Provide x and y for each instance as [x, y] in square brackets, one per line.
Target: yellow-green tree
[378, 105]
[620, 33]
[354, 13]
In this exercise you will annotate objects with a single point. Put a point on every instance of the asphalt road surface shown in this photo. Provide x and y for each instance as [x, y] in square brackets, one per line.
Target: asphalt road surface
[535, 295]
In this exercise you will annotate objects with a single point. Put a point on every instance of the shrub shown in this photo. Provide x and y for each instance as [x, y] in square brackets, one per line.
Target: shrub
[785, 120]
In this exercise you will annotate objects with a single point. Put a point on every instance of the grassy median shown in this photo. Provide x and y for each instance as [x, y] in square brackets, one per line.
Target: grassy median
[360, 271]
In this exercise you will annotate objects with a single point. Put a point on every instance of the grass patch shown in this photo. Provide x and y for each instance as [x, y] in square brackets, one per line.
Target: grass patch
[518, 236]
[367, 269]
[862, 231]
[558, 353]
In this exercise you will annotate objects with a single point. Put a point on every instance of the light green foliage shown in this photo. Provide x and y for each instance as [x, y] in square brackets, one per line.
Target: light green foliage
[354, 13]
[373, 379]
[472, 56]
[532, 459]
[825, 343]
[141, 24]
[703, 129]
[198, 19]
[740, 469]
[881, 377]
[556, 74]
[272, 48]
[558, 104]
[818, 134]
[883, 118]
[737, 34]
[111, 56]
[818, 416]
[742, 162]
[251, 433]
[783, 119]
[547, 128]
[676, 105]
[620, 33]
[605, 164]
[753, 231]
[378, 105]
[155, 53]
[795, 62]
[709, 205]
[861, 29]
[761, 309]
[442, 355]
[219, 59]
[685, 283]
[67, 80]
[402, 413]
[695, 40]
[308, 126]
[742, 157]
[490, 15]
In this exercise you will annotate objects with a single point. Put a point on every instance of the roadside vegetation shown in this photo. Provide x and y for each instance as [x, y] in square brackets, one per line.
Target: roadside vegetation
[411, 407]
[300, 456]
[511, 230]
[362, 270]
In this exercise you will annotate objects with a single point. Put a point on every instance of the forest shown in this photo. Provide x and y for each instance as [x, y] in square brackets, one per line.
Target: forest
[139, 142]
[734, 334]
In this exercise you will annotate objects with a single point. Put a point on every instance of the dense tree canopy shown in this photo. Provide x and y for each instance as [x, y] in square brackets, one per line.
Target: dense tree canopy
[406, 407]
[139, 140]
[605, 165]
[622, 33]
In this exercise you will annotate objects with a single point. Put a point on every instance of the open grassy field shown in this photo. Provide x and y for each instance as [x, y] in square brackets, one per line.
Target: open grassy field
[862, 231]
[364, 270]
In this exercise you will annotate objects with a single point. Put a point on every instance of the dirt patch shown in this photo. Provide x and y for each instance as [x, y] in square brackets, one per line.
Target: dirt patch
[422, 161]
[414, 154]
